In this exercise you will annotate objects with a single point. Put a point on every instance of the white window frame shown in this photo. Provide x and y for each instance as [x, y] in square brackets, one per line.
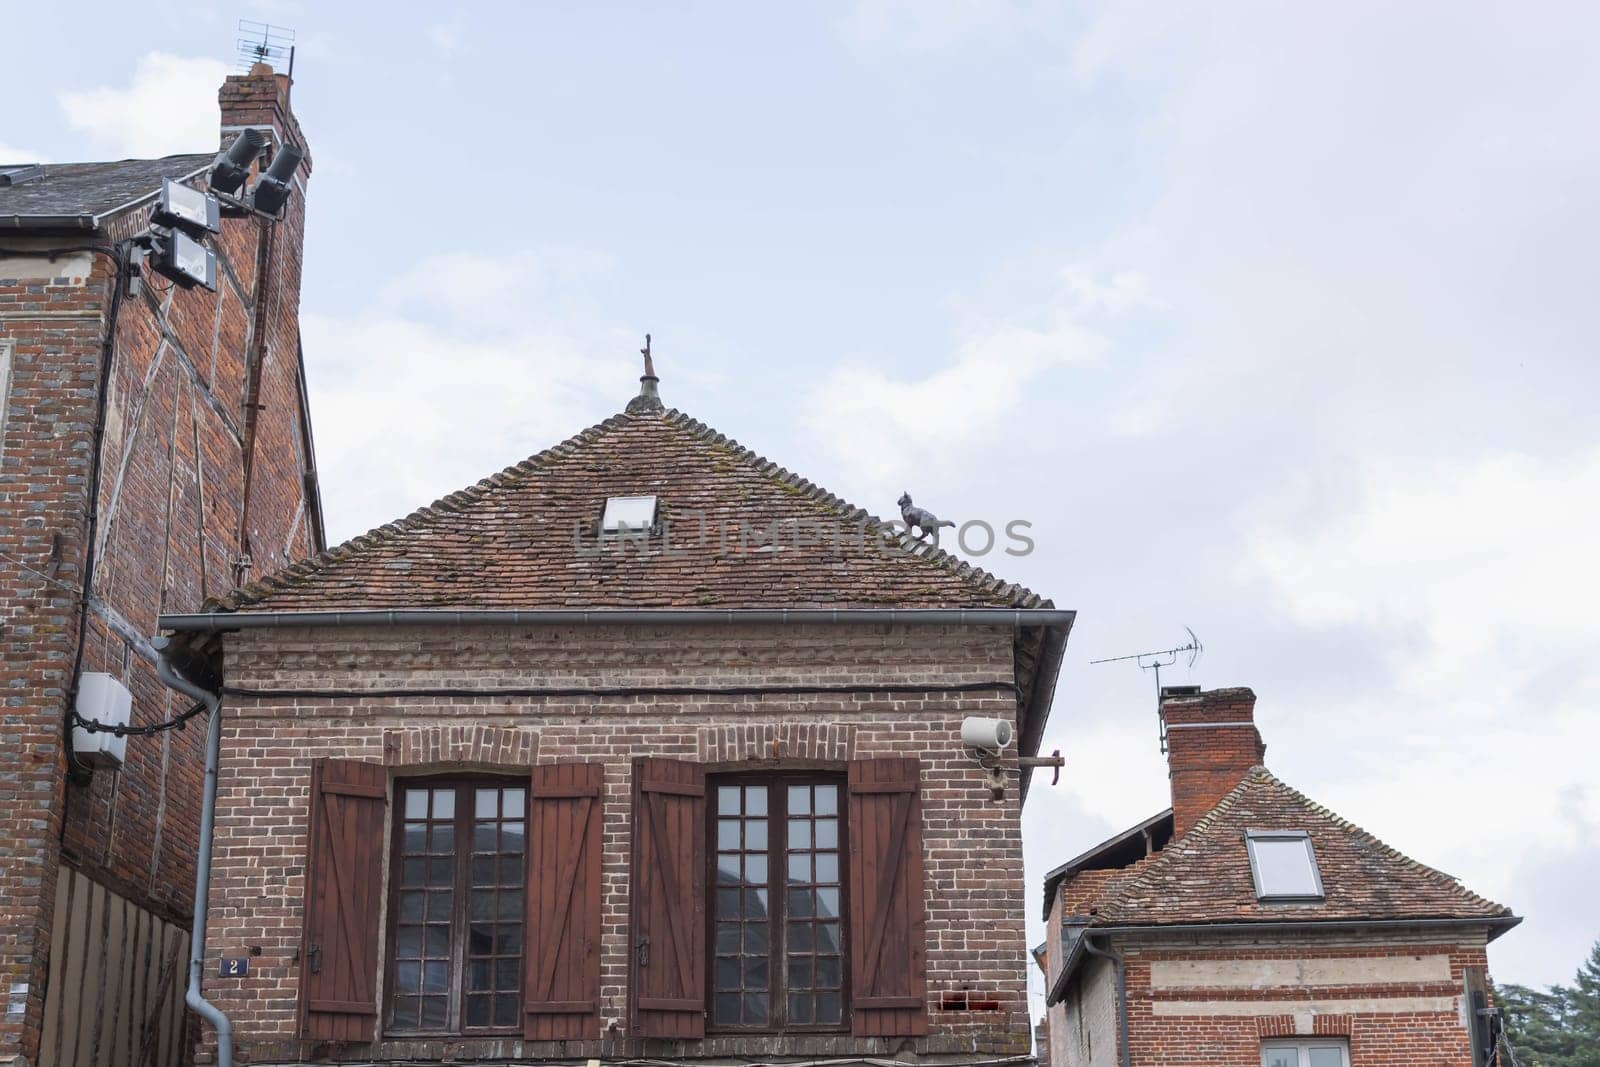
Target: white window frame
[1303, 1046]
[7, 346]
[1252, 836]
[619, 527]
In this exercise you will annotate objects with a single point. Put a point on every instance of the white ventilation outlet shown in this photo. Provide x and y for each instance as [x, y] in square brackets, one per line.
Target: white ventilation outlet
[103, 698]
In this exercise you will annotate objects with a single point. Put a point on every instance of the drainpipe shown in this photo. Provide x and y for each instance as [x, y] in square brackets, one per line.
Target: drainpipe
[1122, 994]
[202, 863]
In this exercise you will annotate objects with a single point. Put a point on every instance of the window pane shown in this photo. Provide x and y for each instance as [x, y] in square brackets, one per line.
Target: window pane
[755, 800]
[757, 939]
[755, 869]
[756, 1009]
[727, 974]
[488, 804]
[827, 799]
[728, 800]
[416, 803]
[727, 835]
[444, 803]
[727, 937]
[478, 1010]
[728, 868]
[800, 1008]
[435, 1012]
[1284, 867]
[725, 1008]
[1332, 1056]
[827, 866]
[799, 800]
[828, 938]
[829, 1006]
[827, 833]
[755, 834]
[1280, 1057]
[799, 867]
[799, 833]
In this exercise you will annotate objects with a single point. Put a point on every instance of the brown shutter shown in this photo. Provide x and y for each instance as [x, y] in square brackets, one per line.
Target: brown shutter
[668, 936]
[339, 975]
[563, 925]
[888, 950]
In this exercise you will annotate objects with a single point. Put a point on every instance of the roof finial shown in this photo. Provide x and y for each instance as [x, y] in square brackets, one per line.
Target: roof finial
[648, 399]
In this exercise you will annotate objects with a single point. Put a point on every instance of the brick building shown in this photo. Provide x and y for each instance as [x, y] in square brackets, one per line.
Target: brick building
[641, 747]
[155, 448]
[1248, 926]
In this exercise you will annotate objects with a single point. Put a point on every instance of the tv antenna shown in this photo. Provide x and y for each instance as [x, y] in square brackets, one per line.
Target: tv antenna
[1154, 661]
[259, 42]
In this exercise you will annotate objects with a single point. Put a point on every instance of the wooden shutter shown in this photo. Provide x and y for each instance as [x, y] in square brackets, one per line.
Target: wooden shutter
[344, 883]
[888, 937]
[562, 1002]
[668, 936]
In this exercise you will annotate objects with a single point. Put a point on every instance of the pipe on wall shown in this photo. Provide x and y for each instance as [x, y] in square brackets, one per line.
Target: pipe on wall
[1121, 968]
[202, 863]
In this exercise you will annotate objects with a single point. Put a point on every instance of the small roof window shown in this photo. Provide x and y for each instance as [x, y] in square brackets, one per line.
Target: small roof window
[1283, 865]
[628, 514]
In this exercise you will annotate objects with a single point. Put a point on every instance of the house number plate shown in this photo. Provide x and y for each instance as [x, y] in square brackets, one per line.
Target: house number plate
[234, 966]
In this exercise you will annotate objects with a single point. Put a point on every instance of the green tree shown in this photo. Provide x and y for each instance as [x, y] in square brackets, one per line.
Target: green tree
[1557, 1027]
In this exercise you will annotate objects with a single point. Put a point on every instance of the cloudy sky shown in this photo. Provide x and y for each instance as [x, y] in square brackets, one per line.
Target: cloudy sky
[1272, 319]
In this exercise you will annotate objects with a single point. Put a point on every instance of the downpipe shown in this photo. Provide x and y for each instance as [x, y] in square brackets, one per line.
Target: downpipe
[202, 863]
[1121, 968]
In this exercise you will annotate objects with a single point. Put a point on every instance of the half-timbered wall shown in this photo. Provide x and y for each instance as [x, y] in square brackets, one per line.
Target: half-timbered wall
[952, 910]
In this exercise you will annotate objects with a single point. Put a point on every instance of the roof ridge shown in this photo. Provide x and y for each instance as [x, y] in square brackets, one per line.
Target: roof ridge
[1020, 595]
[1196, 834]
[505, 478]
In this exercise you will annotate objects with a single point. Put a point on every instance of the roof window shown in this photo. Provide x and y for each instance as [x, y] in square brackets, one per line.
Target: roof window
[1283, 865]
[628, 514]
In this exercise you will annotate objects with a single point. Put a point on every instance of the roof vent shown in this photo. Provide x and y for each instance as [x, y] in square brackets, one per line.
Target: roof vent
[16, 175]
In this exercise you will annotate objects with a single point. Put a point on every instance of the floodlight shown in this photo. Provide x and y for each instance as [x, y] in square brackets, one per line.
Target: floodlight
[181, 205]
[232, 167]
[272, 188]
[183, 259]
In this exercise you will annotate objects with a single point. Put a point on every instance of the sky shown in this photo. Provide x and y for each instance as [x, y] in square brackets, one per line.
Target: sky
[1274, 321]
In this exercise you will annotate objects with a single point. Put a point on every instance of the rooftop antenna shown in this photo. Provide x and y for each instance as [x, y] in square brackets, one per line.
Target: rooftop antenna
[260, 42]
[1154, 661]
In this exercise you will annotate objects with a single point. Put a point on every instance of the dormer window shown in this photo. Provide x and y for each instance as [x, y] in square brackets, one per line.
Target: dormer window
[628, 515]
[1283, 865]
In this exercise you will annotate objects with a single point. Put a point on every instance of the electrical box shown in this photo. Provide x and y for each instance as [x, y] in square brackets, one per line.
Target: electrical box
[103, 698]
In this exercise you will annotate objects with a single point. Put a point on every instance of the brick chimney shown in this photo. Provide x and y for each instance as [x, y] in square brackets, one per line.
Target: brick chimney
[260, 100]
[1212, 741]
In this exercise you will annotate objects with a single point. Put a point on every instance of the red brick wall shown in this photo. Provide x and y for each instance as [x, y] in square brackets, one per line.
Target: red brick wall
[972, 845]
[170, 507]
[1399, 1005]
[1206, 757]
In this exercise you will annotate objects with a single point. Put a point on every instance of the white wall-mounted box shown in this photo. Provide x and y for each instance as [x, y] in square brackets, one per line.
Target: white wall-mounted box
[103, 698]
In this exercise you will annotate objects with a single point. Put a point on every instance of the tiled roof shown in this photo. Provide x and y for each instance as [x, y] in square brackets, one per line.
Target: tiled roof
[79, 194]
[525, 538]
[1204, 876]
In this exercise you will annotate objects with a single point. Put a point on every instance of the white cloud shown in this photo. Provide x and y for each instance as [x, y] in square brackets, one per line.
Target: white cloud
[457, 368]
[879, 424]
[12, 154]
[169, 108]
[1480, 579]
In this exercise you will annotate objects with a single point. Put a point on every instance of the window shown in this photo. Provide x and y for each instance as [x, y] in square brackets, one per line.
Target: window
[1283, 865]
[778, 890]
[455, 952]
[1317, 1052]
[625, 514]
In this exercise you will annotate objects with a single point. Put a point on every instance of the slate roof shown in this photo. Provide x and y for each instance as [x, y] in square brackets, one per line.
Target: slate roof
[81, 195]
[1204, 876]
[525, 538]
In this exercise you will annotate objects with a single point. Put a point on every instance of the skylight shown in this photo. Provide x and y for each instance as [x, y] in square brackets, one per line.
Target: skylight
[1283, 865]
[628, 514]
